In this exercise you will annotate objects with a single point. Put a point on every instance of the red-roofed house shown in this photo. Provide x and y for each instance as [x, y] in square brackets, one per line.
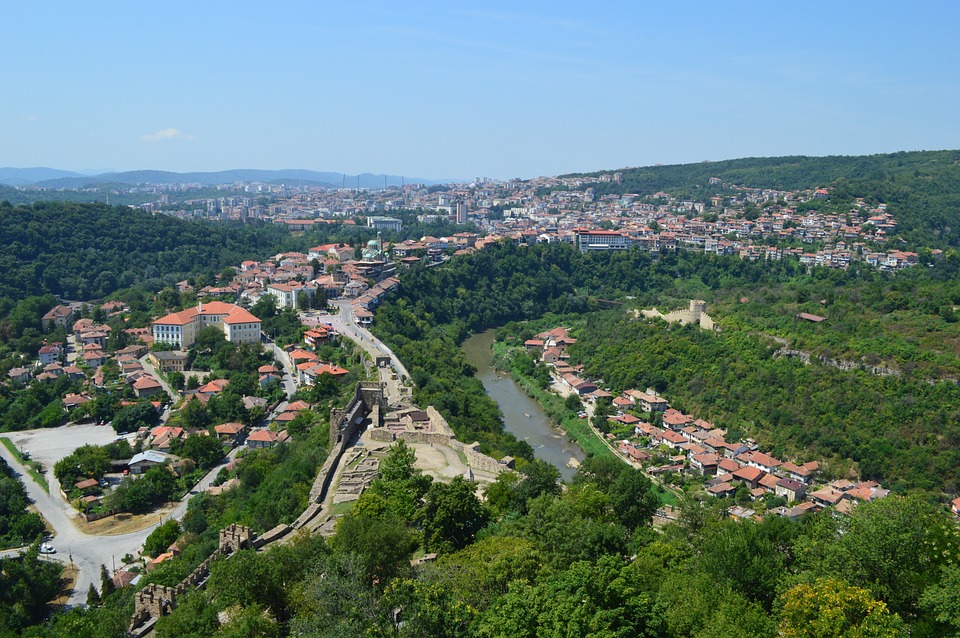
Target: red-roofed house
[749, 475]
[760, 460]
[230, 432]
[147, 386]
[310, 374]
[648, 402]
[676, 420]
[706, 464]
[262, 439]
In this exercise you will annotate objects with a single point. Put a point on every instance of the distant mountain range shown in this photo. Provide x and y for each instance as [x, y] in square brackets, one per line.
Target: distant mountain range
[55, 178]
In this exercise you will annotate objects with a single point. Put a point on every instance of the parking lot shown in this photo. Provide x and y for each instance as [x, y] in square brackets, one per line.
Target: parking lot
[52, 444]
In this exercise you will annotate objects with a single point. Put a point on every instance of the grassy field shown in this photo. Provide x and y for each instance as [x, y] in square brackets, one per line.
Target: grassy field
[30, 466]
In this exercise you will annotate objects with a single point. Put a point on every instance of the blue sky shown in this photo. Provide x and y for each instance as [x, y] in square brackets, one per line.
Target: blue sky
[458, 90]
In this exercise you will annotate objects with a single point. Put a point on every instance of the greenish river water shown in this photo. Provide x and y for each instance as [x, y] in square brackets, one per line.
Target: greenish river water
[522, 416]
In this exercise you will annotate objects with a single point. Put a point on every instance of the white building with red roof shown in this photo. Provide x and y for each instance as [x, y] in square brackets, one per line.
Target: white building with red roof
[180, 329]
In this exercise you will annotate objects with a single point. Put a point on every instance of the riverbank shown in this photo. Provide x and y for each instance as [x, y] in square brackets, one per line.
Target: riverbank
[522, 415]
[577, 429]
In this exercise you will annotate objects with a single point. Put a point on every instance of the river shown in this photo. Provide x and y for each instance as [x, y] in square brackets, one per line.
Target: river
[522, 416]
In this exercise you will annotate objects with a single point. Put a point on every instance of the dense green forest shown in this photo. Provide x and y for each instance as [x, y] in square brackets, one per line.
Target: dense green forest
[86, 251]
[532, 560]
[921, 188]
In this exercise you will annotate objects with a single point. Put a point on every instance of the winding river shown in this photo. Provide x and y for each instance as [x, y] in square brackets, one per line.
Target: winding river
[522, 416]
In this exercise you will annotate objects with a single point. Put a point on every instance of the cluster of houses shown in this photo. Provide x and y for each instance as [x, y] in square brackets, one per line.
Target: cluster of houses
[696, 446]
[309, 367]
[84, 360]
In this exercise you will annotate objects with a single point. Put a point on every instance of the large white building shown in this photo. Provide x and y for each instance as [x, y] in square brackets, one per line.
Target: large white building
[384, 223]
[602, 240]
[180, 329]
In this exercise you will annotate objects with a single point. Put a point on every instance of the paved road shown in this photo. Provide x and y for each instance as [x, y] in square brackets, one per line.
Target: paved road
[86, 551]
[345, 323]
[149, 369]
[290, 373]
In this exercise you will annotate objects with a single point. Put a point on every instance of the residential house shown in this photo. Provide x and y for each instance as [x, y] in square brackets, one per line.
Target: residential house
[312, 372]
[49, 354]
[142, 462]
[71, 401]
[802, 473]
[169, 360]
[59, 316]
[74, 372]
[722, 489]
[19, 375]
[749, 475]
[648, 402]
[827, 497]
[147, 386]
[706, 464]
[760, 460]
[231, 433]
[791, 490]
[676, 420]
[262, 439]
[163, 436]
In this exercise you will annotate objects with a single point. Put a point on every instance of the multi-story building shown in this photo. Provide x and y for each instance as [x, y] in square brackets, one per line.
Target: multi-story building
[287, 294]
[180, 329]
[601, 240]
[384, 223]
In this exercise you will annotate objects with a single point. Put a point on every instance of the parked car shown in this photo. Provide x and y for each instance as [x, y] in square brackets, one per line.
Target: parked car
[47, 548]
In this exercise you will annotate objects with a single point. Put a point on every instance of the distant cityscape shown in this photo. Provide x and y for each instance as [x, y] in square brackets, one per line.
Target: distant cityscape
[752, 223]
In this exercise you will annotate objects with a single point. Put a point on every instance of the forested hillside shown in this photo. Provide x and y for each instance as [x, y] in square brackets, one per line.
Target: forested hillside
[921, 188]
[903, 432]
[84, 251]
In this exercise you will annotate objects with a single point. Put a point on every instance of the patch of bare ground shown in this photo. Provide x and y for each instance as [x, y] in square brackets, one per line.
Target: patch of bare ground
[124, 523]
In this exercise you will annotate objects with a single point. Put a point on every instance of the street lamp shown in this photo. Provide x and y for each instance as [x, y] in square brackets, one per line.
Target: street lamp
[70, 553]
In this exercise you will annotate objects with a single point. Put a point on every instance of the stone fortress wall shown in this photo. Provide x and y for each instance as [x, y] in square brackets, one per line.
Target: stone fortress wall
[696, 313]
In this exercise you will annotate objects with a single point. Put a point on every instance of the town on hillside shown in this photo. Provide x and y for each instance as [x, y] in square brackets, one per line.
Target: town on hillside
[752, 223]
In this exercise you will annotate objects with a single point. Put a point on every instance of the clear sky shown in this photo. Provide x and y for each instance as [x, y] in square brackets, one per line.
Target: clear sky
[459, 90]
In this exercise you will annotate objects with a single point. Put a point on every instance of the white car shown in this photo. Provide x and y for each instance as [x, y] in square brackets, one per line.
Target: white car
[47, 548]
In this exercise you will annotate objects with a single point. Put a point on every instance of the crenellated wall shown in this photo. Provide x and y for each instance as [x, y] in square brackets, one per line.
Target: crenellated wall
[154, 601]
